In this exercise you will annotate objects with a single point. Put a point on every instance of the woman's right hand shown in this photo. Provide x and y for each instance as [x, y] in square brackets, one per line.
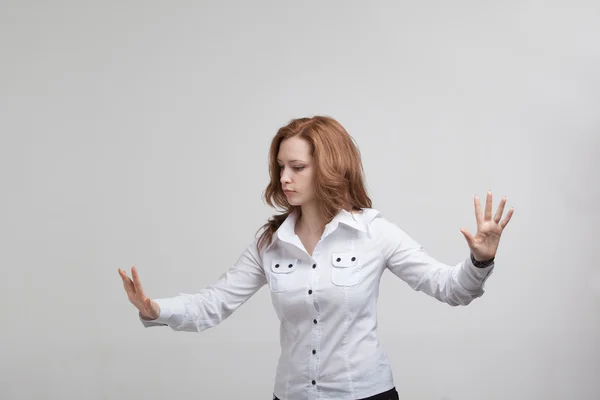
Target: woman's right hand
[147, 307]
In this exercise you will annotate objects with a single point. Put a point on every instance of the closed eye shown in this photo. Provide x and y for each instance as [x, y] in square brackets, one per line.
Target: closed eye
[295, 168]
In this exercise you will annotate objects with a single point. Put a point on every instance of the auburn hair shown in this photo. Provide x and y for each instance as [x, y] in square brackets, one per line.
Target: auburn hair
[338, 180]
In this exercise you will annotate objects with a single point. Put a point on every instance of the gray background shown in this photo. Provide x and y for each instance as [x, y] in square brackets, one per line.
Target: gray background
[136, 133]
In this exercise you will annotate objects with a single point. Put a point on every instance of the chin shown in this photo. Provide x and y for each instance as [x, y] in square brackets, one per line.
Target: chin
[295, 201]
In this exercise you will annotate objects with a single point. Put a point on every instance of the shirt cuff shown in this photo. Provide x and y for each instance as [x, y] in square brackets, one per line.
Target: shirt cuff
[472, 278]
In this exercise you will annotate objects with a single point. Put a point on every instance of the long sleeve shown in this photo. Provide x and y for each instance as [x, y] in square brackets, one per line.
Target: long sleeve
[214, 303]
[452, 284]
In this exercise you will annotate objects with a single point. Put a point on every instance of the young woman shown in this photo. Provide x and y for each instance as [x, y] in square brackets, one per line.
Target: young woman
[322, 259]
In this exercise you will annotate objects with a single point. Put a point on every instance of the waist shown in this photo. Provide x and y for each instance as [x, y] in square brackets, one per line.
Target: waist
[391, 394]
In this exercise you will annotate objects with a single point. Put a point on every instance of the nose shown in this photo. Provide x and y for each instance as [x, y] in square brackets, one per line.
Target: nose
[285, 178]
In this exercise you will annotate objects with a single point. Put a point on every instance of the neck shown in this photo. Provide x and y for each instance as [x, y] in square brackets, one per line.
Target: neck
[311, 219]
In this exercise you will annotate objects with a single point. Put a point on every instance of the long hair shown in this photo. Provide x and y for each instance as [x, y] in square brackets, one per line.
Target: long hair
[338, 179]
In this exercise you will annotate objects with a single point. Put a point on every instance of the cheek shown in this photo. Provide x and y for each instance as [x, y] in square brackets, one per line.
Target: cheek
[307, 184]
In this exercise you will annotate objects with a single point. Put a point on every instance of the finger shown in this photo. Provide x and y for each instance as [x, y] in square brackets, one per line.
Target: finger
[488, 206]
[506, 219]
[123, 273]
[127, 283]
[150, 311]
[468, 236]
[477, 211]
[136, 281]
[500, 210]
[148, 305]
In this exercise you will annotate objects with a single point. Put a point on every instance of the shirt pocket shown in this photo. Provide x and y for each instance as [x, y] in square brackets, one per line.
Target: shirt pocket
[346, 268]
[282, 274]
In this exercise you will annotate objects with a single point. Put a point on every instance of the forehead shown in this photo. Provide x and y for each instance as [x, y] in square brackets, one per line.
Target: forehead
[294, 148]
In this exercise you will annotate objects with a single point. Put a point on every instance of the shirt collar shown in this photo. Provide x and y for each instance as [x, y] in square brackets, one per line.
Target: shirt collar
[353, 220]
[358, 221]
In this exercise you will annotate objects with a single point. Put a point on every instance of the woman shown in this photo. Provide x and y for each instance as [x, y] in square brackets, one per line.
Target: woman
[322, 259]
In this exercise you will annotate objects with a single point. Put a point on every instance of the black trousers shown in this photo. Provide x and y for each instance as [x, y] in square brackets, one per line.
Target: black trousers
[391, 394]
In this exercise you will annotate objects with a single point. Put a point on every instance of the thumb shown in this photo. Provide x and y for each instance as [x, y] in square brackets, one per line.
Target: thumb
[152, 307]
[467, 236]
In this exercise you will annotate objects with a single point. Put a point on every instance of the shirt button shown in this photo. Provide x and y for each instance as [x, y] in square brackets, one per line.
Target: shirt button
[314, 352]
[315, 321]
[310, 292]
[314, 383]
[314, 265]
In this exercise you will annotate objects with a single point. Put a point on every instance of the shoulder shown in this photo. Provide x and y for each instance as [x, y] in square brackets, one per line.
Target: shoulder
[374, 220]
[380, 227]
[387, 235]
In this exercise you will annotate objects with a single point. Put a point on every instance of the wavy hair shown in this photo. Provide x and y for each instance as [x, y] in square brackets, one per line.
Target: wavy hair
[338, 180]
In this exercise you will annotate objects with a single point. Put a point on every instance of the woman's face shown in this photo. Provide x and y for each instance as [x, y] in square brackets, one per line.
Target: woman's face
[296, 174]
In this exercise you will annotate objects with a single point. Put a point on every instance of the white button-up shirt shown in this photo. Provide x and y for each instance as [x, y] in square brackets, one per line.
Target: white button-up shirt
[327, 302]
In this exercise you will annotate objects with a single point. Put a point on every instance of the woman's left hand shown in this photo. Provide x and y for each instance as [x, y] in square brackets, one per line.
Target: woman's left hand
[485, 242]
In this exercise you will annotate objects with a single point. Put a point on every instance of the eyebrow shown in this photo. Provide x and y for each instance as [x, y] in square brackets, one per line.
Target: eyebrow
[278, 160]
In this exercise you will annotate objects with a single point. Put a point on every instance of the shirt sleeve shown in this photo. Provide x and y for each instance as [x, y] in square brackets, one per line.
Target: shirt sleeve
[452, 284]
[214, 303]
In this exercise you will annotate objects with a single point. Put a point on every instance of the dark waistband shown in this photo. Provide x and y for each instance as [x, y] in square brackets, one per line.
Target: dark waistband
[391, 394]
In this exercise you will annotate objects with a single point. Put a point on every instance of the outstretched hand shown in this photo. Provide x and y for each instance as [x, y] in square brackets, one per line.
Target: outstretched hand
[146, 306]
[485, 242]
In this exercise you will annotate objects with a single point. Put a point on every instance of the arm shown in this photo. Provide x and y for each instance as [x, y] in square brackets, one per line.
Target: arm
[452, 284]
[214, 303]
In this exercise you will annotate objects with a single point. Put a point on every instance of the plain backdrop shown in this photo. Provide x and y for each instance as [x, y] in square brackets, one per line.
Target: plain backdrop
[136, 133]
